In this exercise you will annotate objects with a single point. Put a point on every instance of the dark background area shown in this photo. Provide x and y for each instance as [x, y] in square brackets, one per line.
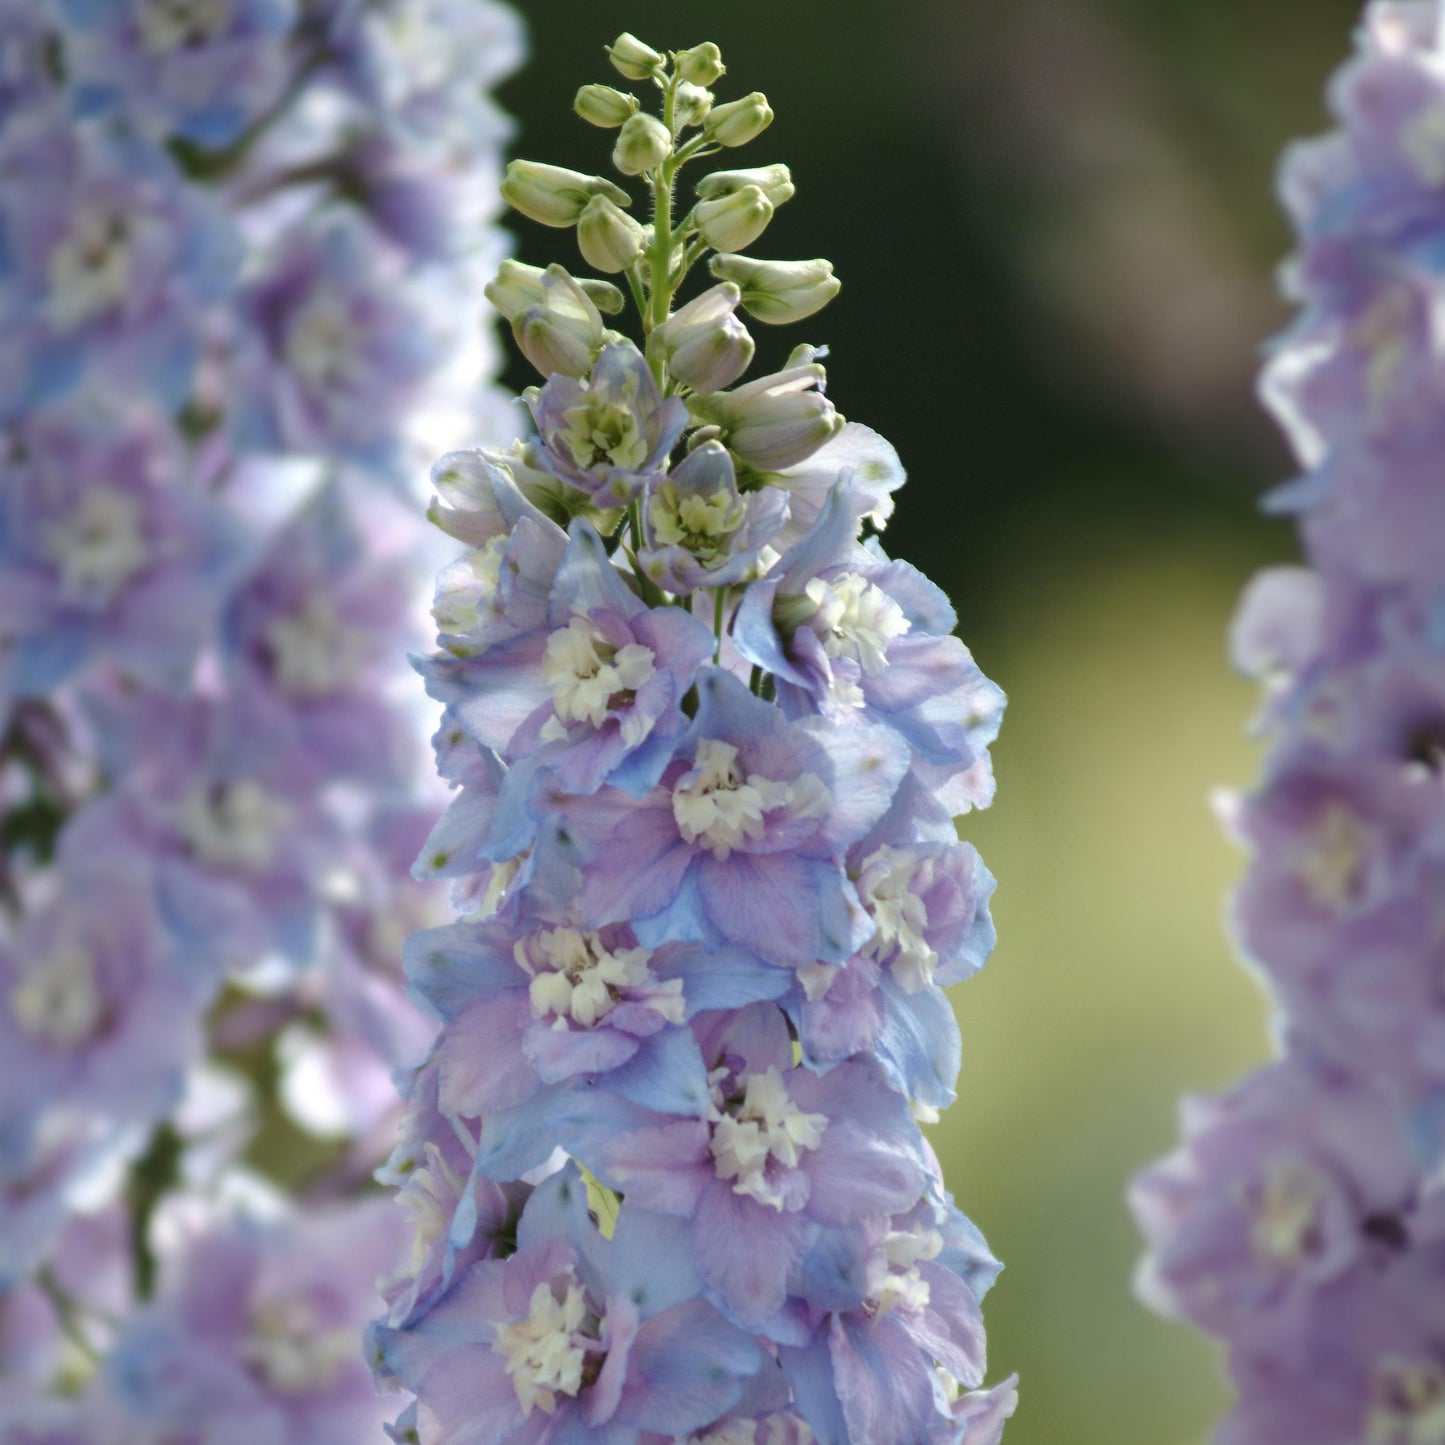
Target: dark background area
[1055, 225]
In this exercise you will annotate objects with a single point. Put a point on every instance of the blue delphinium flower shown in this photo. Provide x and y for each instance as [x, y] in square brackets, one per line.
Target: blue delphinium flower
[707, 741]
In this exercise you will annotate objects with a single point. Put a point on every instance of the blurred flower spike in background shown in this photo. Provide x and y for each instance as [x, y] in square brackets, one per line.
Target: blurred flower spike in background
[707, 738]
[234, 236]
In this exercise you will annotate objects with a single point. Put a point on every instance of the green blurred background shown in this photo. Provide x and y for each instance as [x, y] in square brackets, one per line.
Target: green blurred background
[1055, 225]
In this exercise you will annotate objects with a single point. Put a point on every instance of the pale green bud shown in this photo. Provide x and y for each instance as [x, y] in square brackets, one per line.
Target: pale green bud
[642, 145]
[779, 291]
[776, 421]
[518, 286]
[563, 331]
[704, 344]
[734, 222]
[701, 64]
[739, 121]
[775, 182]
[608, 238]
[691, 104]
[600, 105]
[554, 195]
[630, 57]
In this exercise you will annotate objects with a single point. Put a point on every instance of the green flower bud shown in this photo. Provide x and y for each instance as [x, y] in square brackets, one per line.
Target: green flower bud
[630, 57]
[775, 182]
[691, 104]
[700, 64]
[642, 145]
[739, 121]
[733, 223]
[704, 344]
[779, 291]
[608, 238]
[774, 422]
[600, 105]
[563, 331]
[518, 286]
[554, 195]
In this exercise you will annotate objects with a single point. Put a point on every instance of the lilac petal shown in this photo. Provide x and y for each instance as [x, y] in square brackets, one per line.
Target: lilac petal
[747, 1251]
[666, 1166]
[666, 1074]
[788, 910]
[652, 1263]
[885, 1382]
[483, 1068]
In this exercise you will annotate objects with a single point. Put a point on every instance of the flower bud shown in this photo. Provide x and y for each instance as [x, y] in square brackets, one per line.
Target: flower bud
[704, 344]
[775, 182]
[600, 105]
[554, 195]
[778, 291]
[630, 57]
[739, 121]
[642, 145]
[732, 223]
[608, 238]
[691, 104]
[701, 64]
[776, 421]
[563, 331]
[517, 286]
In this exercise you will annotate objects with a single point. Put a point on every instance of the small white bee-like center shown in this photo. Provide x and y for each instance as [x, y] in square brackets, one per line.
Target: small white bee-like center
[89, 270]
[313, 652]
[1409, 1404]
[1286, 1224]
[598, 433]
[467, 588]
[234, 826]
[702, 525]
[714, 804]
[899, 916]
[590, 678]
[321, 344]
[429, 1195]
[546, 1353]
[169, 25]
[583, 980]
[290, 1348]
[1329, 861]
[766, 1127]
[903, 1286]
[856, 619]
[99, 546]
[57, 1000]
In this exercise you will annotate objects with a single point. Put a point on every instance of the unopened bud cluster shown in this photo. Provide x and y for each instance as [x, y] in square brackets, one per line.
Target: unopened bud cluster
[665, 1156]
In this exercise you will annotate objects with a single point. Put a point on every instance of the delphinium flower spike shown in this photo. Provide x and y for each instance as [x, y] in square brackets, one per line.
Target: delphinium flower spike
[708, 740]
[1302, 1221]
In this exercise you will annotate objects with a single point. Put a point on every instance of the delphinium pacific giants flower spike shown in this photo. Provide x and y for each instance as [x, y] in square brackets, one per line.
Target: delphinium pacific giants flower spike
[232, 233]
[1302, 1222]
[707, 739]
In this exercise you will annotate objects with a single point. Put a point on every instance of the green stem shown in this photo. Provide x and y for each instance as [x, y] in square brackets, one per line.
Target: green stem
[719, 612]
[155, 1174]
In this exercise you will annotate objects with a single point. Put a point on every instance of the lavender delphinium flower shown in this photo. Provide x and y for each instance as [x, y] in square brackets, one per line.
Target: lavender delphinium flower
[664, 1162]
[232, 235]
[1301, 1221]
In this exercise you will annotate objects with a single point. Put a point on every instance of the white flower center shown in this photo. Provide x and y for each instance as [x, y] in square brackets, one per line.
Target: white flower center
[583, 980]
[169, 25]
[597, 433]
[1409, 1406]
[1286, 1225]
[312, 651]
[702, 525]
[767, 1128]
[321, 344]
[89, 270]
[903, 1285]
[1329, 861]
[233, 826]
[546, 1353]
[590, 678]
[899, 916]
[99, 546]
[715, 805]
[430, 1195]
[58, 999]
[290, 1349]
[855, 619]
